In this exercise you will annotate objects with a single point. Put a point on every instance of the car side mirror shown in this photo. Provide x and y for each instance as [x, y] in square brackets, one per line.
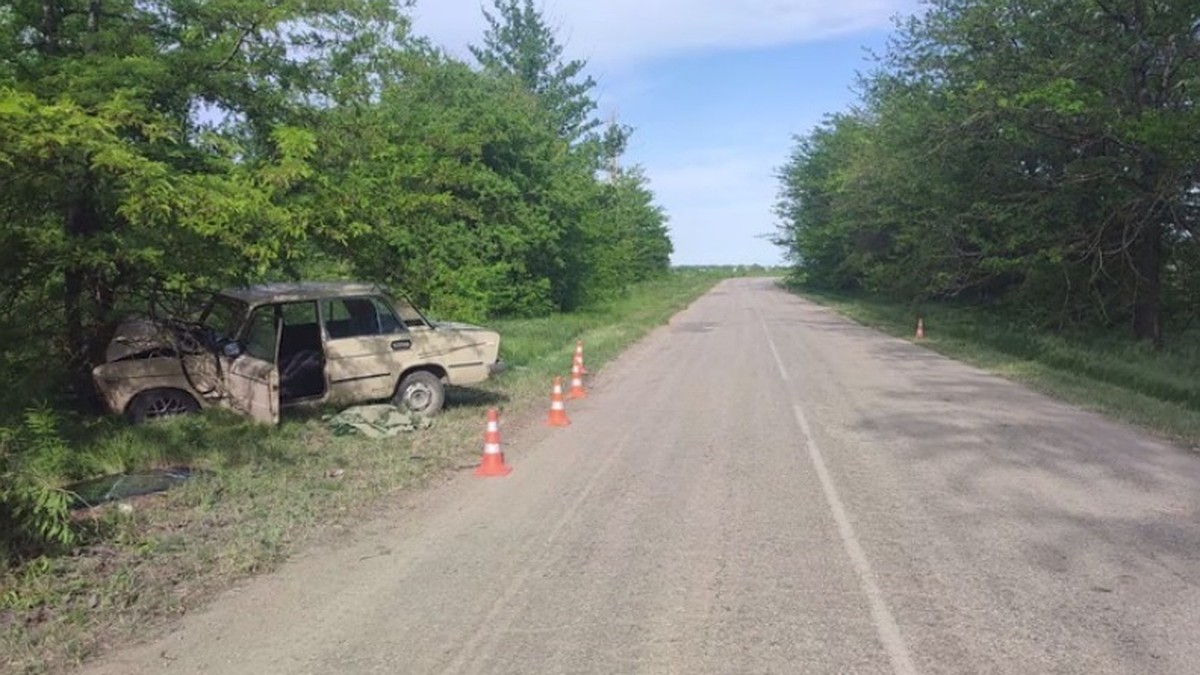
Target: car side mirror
[232, 349]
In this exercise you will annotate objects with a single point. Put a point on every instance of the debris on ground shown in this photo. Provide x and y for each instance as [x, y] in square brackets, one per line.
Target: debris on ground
[376, 421]
[96, 491]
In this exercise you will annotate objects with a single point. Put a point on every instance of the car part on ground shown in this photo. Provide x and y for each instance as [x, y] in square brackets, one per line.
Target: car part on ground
[96, 491]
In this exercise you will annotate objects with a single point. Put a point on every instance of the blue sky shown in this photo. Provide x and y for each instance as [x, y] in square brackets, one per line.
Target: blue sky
[716, 90]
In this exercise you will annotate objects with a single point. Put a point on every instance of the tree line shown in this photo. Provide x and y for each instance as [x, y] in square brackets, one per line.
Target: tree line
[1039, 156]
[172, 146]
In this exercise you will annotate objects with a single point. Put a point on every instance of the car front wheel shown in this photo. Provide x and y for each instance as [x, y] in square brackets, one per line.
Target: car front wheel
[421, 393]
[160, 404]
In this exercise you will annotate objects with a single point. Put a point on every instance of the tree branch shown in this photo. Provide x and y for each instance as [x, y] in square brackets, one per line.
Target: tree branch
[237, 47]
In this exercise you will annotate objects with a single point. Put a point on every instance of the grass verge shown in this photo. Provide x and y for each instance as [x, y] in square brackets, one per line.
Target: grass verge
[1158, 390]
[265, 492]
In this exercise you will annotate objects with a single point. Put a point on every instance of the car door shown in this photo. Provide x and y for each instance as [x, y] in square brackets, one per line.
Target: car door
[252, 377]
[366, 347]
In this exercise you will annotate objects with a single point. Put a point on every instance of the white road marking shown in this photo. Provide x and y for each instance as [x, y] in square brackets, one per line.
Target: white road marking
[775, 352]
[885, 623]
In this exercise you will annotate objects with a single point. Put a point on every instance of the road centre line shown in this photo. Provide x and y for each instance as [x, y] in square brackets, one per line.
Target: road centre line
[783, 373]
[881, 615]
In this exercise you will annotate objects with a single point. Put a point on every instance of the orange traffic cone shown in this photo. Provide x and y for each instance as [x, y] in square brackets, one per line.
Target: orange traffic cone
[576, 390]
[579, 357]
[493, 459]
[920, 329]
[558, 411]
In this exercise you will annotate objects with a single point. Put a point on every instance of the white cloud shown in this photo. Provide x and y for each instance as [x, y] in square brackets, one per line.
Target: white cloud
[613, 34]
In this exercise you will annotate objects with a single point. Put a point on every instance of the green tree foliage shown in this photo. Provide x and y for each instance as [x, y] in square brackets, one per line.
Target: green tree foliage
[457, 187]
[518, 43]
[1037, 152]
[627, 238]
[446, 188]
[34, 509]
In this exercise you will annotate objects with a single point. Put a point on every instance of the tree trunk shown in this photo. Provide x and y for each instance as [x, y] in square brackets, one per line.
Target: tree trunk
[93, 24]
[80, 224]
[1147, 299]
[51, 19]
[80, 282]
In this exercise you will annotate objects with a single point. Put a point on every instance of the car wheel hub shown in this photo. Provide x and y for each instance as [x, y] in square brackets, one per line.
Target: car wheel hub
[419, 397]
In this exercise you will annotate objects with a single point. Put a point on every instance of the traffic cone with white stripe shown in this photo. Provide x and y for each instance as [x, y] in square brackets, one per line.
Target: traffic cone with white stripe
[576, 390]
[579, 357]
[493, 459]
[558, 410]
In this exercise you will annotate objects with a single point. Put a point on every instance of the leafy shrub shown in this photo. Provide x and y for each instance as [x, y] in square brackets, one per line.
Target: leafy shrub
[34, 510]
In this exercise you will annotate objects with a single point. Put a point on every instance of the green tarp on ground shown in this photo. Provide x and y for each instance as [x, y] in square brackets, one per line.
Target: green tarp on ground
[376, 421]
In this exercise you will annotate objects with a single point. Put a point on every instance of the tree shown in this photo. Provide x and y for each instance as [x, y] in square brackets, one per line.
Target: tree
[518, 43]
[1097, 94]
[613, 143]
[622, 239]
[1032, 151]
[444, 188]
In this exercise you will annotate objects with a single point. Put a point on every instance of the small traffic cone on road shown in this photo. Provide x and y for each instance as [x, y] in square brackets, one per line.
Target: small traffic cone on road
[558, 411]
[920, 329]
[576, 390]
[493, 459]
[579, 357]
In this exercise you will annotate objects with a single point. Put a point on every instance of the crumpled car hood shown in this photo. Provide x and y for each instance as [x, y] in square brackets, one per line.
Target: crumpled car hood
[134, 336]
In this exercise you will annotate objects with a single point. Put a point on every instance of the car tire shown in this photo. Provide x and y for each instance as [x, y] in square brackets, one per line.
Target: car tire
[154, 404]
[421, 393]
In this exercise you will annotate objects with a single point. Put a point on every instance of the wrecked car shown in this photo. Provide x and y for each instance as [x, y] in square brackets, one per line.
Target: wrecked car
[261, 349]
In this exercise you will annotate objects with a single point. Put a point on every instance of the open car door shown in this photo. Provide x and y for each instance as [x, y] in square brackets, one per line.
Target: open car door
[253, 386]
[252, 377]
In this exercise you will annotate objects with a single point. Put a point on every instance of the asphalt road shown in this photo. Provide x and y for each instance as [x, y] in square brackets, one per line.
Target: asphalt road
[759, 487]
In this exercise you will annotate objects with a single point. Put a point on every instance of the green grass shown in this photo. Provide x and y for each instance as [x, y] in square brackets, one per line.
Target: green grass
[1110, 373]
[266, 492]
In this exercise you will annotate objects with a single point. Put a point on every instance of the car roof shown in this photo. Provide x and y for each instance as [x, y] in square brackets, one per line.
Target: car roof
[301, 290]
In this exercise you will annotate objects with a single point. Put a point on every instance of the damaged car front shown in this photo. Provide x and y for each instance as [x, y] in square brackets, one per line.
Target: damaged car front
[158, 367]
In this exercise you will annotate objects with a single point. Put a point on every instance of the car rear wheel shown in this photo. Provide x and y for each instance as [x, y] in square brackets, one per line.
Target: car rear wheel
[421, 393]
[160, 404]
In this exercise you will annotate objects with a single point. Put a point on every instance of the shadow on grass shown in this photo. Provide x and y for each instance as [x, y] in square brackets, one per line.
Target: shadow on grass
[471, 397]
[213, 438]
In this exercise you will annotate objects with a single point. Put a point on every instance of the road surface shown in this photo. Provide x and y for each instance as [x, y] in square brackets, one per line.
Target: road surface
[759, 487]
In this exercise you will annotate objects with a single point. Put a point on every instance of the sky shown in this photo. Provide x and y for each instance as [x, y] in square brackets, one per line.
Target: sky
[716, 91]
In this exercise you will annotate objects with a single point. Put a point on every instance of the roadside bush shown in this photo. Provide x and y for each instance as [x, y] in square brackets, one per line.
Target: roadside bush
[34, 509]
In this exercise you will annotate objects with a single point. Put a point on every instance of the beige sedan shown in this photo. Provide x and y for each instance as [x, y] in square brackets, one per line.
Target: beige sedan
[263, 348]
